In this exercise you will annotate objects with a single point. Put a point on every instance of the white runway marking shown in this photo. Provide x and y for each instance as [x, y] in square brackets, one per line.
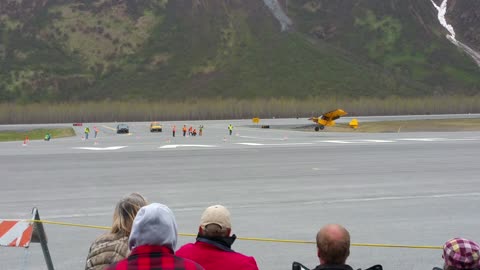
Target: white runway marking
[173, 146]
[100, 148]
[262, 138]
[379, 141]
[102, 214]
[423, 139]
[107, 127]
[396, 140]
[336, 141]
[407, 197]
[251, 144]
[273, 144]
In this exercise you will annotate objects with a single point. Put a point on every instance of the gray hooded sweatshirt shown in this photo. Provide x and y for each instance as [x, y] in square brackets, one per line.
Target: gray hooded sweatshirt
[154, 225]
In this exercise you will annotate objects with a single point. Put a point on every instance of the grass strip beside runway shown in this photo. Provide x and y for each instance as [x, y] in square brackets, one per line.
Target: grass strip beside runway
[36, 134]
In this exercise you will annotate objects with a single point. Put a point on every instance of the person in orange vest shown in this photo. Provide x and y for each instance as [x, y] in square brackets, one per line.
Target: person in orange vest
[184, 129]
[194, 132]
[174, 130]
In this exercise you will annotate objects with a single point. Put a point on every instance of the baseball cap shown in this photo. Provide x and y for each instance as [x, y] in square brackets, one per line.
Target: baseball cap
[216, 214]
[461, 253]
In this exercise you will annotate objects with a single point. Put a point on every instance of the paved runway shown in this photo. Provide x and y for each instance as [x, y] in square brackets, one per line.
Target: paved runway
[396, 188]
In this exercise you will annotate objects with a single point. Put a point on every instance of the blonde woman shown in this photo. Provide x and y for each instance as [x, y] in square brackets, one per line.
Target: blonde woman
[113, 246]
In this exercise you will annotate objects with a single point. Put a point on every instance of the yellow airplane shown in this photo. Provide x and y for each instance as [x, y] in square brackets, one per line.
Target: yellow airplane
[327, 119]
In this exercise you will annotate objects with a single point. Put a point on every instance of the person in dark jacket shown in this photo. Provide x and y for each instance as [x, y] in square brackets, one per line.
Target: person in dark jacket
[113, 246]
[333, 248]
[153, 241]
[213, 248]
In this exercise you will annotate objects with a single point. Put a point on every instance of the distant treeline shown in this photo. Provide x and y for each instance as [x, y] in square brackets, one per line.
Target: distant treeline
[208, 109]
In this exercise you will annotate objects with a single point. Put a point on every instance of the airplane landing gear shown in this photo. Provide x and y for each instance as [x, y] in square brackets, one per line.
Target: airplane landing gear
[319, 128]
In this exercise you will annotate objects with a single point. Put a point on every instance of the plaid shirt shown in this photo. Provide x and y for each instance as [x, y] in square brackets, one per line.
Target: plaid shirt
[154, 257]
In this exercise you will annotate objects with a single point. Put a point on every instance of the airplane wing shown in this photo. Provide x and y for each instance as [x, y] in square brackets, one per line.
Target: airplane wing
[333, 115]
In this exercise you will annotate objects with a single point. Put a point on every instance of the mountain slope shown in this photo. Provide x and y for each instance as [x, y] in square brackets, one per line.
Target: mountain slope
[54, 50]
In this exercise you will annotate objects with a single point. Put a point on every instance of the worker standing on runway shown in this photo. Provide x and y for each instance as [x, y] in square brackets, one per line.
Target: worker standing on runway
[95, 129]
[200, 130]
[87, 131]
[190, 131]
[184, 129]
[230, 129]
[174, 129]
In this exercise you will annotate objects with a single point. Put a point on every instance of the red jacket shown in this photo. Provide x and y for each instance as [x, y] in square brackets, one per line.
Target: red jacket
[213, 256]
[154, 257]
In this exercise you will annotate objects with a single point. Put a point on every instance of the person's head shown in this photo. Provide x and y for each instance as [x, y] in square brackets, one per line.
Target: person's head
[154, 225]
[215, 222]
[125, 212]
[333, 244]
[461, 254]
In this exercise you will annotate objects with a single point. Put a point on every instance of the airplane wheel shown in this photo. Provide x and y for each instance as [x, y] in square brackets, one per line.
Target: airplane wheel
[322, 127]
[317, 128]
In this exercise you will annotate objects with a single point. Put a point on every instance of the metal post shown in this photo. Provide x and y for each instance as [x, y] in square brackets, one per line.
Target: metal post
[41, 237]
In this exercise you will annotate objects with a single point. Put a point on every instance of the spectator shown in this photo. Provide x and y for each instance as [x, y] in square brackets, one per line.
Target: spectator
[152, 242]
[213, 247]
[87, 131]
[113, 246]
[461, 254]
[333, 248]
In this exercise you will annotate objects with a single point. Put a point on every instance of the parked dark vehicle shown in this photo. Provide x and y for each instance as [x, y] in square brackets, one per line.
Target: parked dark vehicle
[122, 128]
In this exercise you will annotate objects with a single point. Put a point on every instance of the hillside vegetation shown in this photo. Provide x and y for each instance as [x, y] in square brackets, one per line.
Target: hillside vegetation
[153, 50]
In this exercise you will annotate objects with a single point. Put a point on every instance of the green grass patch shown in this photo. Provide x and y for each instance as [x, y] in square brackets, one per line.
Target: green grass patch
[36, 134]
[437, 125]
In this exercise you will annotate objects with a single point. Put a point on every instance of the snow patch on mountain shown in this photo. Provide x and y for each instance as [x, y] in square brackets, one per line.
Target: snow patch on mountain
[279, 14]
[442, 11]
